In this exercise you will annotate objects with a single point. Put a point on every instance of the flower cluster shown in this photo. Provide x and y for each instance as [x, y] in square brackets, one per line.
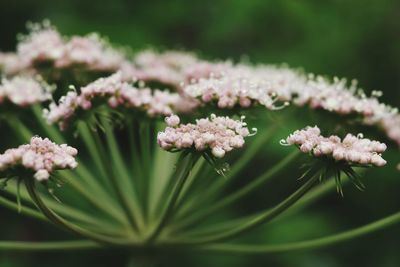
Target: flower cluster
[41, 156]
[352, 149]
[165, 67]
[236, 86]
[220, 134]
[222, 82]
[44, 44]
[10, 64]
[24, 91]
[116, 92]
[245, 85]
[172, 68]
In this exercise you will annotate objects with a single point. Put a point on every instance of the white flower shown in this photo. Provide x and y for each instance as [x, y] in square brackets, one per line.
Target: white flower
[42, 175]
[24, 90]
[219, 134]
[116, 92]
[41, 156]
[353, 149]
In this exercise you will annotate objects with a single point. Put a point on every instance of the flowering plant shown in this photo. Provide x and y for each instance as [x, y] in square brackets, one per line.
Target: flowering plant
[156, 138]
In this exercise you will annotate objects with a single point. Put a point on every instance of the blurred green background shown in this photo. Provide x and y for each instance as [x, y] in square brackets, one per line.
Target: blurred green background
[354, 38]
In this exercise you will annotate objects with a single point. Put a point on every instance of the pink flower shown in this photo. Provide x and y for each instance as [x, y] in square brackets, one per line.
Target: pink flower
[219, 134]
[11, 64]
[235, 86]
[353, 149]
[41, 156]
[24, 91]
[90, 51]
[114, 91]
[43, 43]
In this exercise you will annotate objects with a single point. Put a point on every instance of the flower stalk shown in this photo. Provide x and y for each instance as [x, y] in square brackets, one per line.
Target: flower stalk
[183, 169]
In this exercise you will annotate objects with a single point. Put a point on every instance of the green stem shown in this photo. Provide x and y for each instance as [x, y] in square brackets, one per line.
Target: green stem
[314, 195]
[137, 171]
[24, 209]
[52, 132]
[19, 128]
[57, 220]
[195, 174]
[49, 245]
[309, 244]
[255, 184]
[262, 218]
[220, 248]
[254, 148]
[145, 148]
[161, 179]
[123, 185]
[94, 150]
[306, 200]
[66, 211]
[217, 187]
[82, 171]
[183, 169]
[25, 135]
[87, 192]
[142, 260]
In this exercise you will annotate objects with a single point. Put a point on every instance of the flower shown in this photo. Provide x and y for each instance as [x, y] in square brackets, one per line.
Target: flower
[173, 68]
[244, 86]
[11, 64]
[42, 156]
[90, 51]
[172, 120]
[45, 44]
[352, 149]
[235, 87]
[24, 90]
[218, 134]
[116, 93]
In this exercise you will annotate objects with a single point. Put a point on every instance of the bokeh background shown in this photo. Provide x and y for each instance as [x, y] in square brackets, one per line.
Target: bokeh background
[345, 38]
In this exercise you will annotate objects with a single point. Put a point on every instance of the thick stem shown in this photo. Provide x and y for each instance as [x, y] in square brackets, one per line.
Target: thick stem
[143, 260]
[309, 244]
[49, 246]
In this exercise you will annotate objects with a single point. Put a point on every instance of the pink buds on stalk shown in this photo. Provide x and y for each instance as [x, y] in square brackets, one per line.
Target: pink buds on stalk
[352, 149]
[218, 134]
[41, 156]
[116, 93]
